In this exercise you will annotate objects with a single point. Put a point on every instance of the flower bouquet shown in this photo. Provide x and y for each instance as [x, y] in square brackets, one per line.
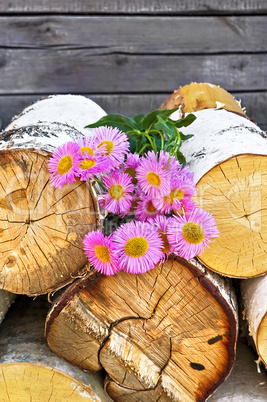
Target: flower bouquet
[145, 181]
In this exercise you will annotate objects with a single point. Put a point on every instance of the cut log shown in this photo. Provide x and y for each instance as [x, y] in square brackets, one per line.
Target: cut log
[254, 298]
[169, 332]
[243, 384]
[228, 156]
[41, 228]
[6, 299]
[29, 370]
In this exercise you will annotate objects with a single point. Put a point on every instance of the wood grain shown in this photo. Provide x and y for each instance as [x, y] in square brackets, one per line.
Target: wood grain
[172, 329]
[163, 35]
[137, 7]
[78, 71]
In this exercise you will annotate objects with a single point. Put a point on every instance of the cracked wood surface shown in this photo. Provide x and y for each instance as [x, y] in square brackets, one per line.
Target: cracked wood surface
[29, 370]
[168, 332]
[42, 228]
[254, 300]
[228, 156]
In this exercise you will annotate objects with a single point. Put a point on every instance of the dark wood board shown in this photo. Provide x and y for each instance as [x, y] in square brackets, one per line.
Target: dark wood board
[136, 35]
[205, 7]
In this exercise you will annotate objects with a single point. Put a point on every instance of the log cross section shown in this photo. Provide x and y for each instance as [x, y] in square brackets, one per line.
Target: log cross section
[170, 331]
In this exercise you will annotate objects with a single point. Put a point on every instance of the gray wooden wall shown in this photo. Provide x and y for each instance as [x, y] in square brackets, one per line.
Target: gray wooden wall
[130, 55]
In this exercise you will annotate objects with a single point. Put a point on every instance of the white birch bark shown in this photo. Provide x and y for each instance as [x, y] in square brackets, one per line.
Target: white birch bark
[218, 136]
[51, 122]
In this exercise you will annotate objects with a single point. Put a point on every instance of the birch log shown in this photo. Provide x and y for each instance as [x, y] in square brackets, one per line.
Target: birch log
[168, 333]
[41, 228]
[254, 297]
[228, 156]
[30, 371]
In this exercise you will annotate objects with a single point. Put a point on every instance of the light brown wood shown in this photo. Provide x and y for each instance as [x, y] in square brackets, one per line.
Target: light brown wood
[42, 228]
[244, 383]
[228, 156]
[172, 329]
[198, 96]
[28, 368]
[254, 302]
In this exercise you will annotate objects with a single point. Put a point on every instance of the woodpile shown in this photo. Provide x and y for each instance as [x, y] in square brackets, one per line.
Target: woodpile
[41, 227]
[169, 334]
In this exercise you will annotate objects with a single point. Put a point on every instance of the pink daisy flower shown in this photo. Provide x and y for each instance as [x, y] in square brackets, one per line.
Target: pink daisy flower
[145, 209]
[190, 234]
[161, 223]
[114, 142]
[132, 162]
[187, 205]
[187, 172]
[86, 144]
[92, 165]
[63, 164]
[138, 247]
[152, 179]
[119, 195]
[181, 187]
[100, 251]
[166, 161]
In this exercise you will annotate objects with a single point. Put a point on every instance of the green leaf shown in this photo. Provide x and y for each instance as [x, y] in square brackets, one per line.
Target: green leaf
[186, 137]
[116, 120]
[180, 158]
[185, 121]
[132, 145]
[139, 120]
[152, 117]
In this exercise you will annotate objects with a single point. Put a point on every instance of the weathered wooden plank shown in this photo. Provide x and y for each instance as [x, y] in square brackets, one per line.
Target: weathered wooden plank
[135, 7]
[126, 34]
[29, 71]
[132, 104]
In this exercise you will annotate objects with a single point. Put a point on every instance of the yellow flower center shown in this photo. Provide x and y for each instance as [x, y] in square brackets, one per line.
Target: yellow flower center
[87, 164]
[136, 247]
[65, 164]
[166, 246]
[89, 150]
[108, 144]
[174, 195]
[193, 233]
[116, 191]
[150, 208]
[154, 179]
[102, 253]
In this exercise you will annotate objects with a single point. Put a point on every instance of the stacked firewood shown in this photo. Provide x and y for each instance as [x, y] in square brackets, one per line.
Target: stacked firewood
[169, 334]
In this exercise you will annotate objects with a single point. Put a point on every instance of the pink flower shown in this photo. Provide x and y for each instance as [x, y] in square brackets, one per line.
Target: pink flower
[181, 187]
[161, 223]
[138, 247]
[190, 234]
[164, 159]
[86, 144]
[63, 164]
[132, 162]
[92, 165]
[100, 251]
[145, 209]
[152, 179]
[186, 172]
[119, 195]
[114, 143]
[186, 206]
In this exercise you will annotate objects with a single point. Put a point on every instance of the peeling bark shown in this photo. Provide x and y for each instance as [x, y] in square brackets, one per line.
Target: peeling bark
[171, 331]
[41, 228]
